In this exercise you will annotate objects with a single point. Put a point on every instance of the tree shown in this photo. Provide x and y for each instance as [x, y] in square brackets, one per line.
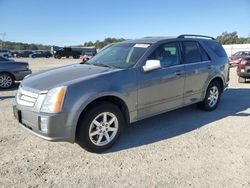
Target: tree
[231, 38]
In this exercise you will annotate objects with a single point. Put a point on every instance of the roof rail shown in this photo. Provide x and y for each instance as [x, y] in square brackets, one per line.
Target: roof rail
[196, 36]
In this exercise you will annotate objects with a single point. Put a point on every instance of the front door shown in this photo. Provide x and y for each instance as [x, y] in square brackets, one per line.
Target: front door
[162, 89]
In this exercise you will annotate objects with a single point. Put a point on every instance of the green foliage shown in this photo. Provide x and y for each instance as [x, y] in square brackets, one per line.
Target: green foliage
[23, 46]
[231, 38]
[100, 44]
[224, 38]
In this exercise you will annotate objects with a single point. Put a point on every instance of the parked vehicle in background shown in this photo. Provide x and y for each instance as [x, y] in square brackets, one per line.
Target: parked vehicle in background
[66, 52]
[5, 53]
[132, 80]
[14, 53]
[85, 56]
[236, 58]
[24, 54]
[11, 71]
[36, 54]
[243, 69]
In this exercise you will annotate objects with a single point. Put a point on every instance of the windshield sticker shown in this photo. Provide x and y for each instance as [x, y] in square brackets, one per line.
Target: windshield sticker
[141, 45]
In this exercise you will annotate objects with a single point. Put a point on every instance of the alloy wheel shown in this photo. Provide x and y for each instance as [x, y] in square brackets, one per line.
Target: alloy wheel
[103, 129]
[5, 81]
[213, 96]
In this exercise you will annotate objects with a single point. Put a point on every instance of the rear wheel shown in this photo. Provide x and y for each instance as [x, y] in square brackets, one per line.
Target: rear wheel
[100, 127]
[212, 97]
[241, 80]
[58, 57]
[6, 80]
[76, 57]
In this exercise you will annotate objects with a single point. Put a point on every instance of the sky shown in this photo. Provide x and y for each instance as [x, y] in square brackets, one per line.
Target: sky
[73, 22]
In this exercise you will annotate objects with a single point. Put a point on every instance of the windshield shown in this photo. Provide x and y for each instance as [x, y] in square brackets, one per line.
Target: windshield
[122, 56]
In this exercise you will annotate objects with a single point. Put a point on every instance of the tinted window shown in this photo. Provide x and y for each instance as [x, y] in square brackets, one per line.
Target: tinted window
[216, 48]
[168, 54]
[124, 55]
[204, 55]
[191, 52]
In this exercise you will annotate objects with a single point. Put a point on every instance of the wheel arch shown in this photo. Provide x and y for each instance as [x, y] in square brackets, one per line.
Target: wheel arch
[219, 79]
[118, 101]
[6, 72]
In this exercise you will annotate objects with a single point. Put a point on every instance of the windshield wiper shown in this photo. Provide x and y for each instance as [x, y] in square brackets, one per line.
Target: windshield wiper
[103, 65]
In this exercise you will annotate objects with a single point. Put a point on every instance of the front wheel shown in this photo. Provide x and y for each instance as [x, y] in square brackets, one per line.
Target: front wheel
[6, 80]
[212, 97]
[100, 127]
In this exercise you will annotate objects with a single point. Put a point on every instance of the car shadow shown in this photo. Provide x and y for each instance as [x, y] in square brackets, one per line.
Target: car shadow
[6, 97]
[13, 88]
[181, 121]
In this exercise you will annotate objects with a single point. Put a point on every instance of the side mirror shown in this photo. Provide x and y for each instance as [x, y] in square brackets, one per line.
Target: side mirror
[152, 65]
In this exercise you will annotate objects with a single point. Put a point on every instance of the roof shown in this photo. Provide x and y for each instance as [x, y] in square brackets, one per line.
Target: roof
[151, 40]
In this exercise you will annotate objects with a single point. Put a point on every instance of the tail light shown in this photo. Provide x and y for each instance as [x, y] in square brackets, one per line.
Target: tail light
[242, 65]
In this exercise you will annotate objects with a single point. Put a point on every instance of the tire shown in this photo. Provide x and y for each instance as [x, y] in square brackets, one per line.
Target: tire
[6, 80]
[98, 142]
[76, 57]
[212, 97]
[241, 80]
[58, 57]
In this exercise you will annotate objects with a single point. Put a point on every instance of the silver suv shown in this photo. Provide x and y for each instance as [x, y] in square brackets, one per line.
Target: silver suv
[91, 103]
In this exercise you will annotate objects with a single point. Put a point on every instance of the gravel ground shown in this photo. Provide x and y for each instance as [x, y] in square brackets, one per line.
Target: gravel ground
[183, 148]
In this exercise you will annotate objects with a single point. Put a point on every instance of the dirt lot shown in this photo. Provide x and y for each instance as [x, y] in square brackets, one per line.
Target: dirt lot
[183, 148]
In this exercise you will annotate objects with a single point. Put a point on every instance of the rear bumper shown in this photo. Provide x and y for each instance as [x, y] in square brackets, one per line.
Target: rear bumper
[54, 129]
[21, 74]
[244, 75]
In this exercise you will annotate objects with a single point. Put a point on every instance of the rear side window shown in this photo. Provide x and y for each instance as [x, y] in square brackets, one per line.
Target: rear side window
[216, 48]
[204, 55]
[191, 52]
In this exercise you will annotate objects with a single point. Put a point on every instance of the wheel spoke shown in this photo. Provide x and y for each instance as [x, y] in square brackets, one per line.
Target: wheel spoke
[94, 133]
[112, 129]
[98, 124]
[104, 117]
[111, 121]
[99, 138]
[107, 136]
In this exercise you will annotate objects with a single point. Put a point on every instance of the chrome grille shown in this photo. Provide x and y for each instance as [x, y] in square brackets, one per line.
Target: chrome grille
[26, 98]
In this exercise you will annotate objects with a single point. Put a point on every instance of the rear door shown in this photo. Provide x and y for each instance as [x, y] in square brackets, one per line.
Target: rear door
[197, 68]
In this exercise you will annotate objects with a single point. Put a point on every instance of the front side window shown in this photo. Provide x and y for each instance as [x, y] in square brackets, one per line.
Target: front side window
[124, 55]
[191, 52]
[168, 54]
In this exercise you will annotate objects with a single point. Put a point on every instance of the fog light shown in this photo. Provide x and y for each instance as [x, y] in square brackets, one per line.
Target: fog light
[44, 124]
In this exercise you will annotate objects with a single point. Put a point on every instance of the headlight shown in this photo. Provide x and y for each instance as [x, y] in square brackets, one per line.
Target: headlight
[54, 100]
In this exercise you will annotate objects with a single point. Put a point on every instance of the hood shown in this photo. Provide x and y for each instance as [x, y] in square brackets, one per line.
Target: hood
[61, 76]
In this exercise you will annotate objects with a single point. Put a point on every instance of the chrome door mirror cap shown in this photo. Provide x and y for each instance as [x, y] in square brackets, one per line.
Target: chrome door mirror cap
[151, 65]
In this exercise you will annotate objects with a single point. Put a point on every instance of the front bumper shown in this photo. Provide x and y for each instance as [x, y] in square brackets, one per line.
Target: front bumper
[55, 126]
[21, 74]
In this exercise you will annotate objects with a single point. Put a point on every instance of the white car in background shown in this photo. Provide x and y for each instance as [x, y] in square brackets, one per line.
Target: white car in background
[5, 53]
